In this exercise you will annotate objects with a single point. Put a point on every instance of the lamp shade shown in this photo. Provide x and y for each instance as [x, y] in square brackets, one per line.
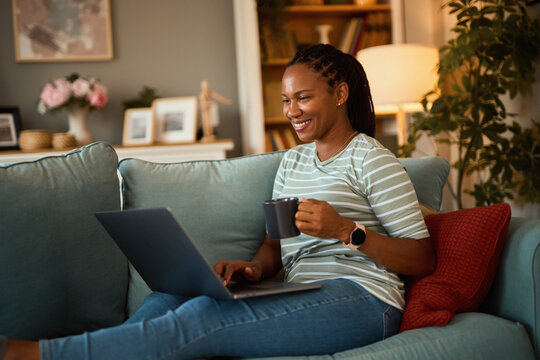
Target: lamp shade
[399, 73]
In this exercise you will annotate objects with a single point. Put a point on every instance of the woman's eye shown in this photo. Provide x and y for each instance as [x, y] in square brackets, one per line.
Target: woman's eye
[303, 98]
[285, 101]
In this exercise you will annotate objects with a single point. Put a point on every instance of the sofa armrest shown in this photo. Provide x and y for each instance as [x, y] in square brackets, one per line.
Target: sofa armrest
[515, 294]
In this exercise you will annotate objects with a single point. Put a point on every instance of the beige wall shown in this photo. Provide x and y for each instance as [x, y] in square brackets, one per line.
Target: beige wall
[170, 45]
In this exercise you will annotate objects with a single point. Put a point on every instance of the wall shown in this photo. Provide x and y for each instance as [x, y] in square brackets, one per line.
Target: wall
[170, 45]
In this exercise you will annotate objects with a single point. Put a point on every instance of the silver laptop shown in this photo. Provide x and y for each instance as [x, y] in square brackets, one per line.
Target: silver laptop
[167, 259]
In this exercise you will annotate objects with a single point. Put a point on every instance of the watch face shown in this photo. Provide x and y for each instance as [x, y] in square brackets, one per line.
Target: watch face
[358, 237]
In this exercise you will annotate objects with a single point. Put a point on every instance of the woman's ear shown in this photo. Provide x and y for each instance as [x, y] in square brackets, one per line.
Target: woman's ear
[342, 92]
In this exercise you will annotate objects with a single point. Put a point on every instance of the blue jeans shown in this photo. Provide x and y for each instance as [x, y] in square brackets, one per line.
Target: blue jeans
[340, 316]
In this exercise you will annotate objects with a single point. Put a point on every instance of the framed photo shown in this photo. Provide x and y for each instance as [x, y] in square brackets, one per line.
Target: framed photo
[175, 119]
[138, 127]
[62, 30]
[10, 126]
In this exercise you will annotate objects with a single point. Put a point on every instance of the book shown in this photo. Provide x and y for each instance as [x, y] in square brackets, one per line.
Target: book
[348, 35]
[367, 33]
[291, 45]
[269, 146]
[285, 139]
[359, 35]
[270, 47]
[272, 99]
[277, 141]
[378, 28]
[387, 29]
[290, 137]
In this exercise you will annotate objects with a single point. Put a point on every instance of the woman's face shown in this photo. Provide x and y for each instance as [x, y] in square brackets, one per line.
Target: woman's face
[308, 102]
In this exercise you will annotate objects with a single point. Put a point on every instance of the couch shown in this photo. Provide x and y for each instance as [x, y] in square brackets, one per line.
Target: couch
[61, 274]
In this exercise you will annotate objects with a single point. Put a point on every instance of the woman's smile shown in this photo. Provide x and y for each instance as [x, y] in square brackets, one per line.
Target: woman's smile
[300, 125]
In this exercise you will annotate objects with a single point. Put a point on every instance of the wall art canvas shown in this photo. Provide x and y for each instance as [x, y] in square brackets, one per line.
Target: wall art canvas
[62, 30]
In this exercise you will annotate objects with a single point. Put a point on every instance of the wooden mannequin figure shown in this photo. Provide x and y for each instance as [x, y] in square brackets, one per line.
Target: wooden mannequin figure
[205, 97]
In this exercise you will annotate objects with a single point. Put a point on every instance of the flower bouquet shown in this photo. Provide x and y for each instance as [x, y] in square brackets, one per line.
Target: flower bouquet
[72, 91]
[79, 96]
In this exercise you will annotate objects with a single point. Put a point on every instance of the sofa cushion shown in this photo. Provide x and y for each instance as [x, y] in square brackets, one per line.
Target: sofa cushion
[60, 273]
[468, 245]
[428, 175]
[467, 336]
[219, 203]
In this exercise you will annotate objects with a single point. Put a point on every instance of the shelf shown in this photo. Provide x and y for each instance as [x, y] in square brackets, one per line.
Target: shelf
[334, 10]
[276, 62]
[276, 120]
[162, 153]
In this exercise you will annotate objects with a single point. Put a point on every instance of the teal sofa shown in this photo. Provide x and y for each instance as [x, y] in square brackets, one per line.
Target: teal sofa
[61, 274]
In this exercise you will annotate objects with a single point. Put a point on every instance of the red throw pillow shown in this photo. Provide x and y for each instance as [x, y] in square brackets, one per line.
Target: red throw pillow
[468, 244]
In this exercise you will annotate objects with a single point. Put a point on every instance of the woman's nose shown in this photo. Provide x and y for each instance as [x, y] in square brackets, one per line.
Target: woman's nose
[292, 110]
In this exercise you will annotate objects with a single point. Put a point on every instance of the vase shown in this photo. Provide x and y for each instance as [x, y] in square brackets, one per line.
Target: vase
[77, 119]
[324, 30]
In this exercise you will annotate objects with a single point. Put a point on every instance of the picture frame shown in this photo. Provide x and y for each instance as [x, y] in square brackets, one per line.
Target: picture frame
[63, 31]
[138, 127]
[10, 127]
[175, 119]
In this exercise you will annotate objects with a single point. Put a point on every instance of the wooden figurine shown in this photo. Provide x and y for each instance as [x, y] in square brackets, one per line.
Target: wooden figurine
[205, 97]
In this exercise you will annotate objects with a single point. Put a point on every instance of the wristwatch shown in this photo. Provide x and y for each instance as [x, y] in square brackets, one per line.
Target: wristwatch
[357, 237]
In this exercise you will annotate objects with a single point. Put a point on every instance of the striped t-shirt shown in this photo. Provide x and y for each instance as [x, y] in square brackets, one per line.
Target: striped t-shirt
[366, 183]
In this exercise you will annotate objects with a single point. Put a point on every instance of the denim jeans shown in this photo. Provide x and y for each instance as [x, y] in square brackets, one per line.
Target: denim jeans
[340, 316]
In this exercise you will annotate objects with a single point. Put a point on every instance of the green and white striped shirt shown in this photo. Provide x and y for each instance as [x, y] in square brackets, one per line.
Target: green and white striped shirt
[366, 183]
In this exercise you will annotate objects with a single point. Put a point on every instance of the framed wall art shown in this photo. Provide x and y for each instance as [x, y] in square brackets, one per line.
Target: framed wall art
[62, 30]
[175, 119]
[10, 126]
[138, 127]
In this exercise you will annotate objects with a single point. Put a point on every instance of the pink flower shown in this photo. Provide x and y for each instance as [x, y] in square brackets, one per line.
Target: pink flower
[53, 97]
[63, 86]
[97, 98]
[80, 87]
[72, 90]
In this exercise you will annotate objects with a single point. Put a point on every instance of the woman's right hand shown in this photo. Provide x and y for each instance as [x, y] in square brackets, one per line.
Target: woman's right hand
[240, 271]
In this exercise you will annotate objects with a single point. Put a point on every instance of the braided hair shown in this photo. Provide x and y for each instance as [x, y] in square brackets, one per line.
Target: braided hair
[336, 66]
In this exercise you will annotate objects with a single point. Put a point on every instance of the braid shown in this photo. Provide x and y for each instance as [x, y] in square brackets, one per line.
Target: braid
[336, 66]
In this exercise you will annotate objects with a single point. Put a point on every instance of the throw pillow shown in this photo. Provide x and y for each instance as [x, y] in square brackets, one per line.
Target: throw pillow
[468, 244]
[60, 273]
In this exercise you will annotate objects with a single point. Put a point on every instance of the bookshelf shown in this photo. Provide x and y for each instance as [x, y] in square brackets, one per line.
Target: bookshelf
[353, 27]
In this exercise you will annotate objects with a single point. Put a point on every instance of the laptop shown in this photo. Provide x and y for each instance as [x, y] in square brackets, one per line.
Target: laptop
[168, 261]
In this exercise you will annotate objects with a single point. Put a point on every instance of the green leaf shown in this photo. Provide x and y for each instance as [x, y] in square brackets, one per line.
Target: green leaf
[438, 106]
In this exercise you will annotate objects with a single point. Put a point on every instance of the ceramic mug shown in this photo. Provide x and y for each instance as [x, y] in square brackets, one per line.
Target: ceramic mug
[279, 214]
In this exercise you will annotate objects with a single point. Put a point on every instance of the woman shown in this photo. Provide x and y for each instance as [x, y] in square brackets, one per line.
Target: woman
[361, 226]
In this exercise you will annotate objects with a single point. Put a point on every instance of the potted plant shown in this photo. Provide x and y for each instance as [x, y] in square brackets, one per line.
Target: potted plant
[492, 55]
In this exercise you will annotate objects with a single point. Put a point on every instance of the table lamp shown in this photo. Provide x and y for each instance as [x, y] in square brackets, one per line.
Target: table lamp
[399, 75]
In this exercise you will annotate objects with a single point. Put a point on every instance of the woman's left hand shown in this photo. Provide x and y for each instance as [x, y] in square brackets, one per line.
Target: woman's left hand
[319, 219]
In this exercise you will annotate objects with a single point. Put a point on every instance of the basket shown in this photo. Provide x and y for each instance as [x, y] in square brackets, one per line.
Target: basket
[63, 141]
[30, 140]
